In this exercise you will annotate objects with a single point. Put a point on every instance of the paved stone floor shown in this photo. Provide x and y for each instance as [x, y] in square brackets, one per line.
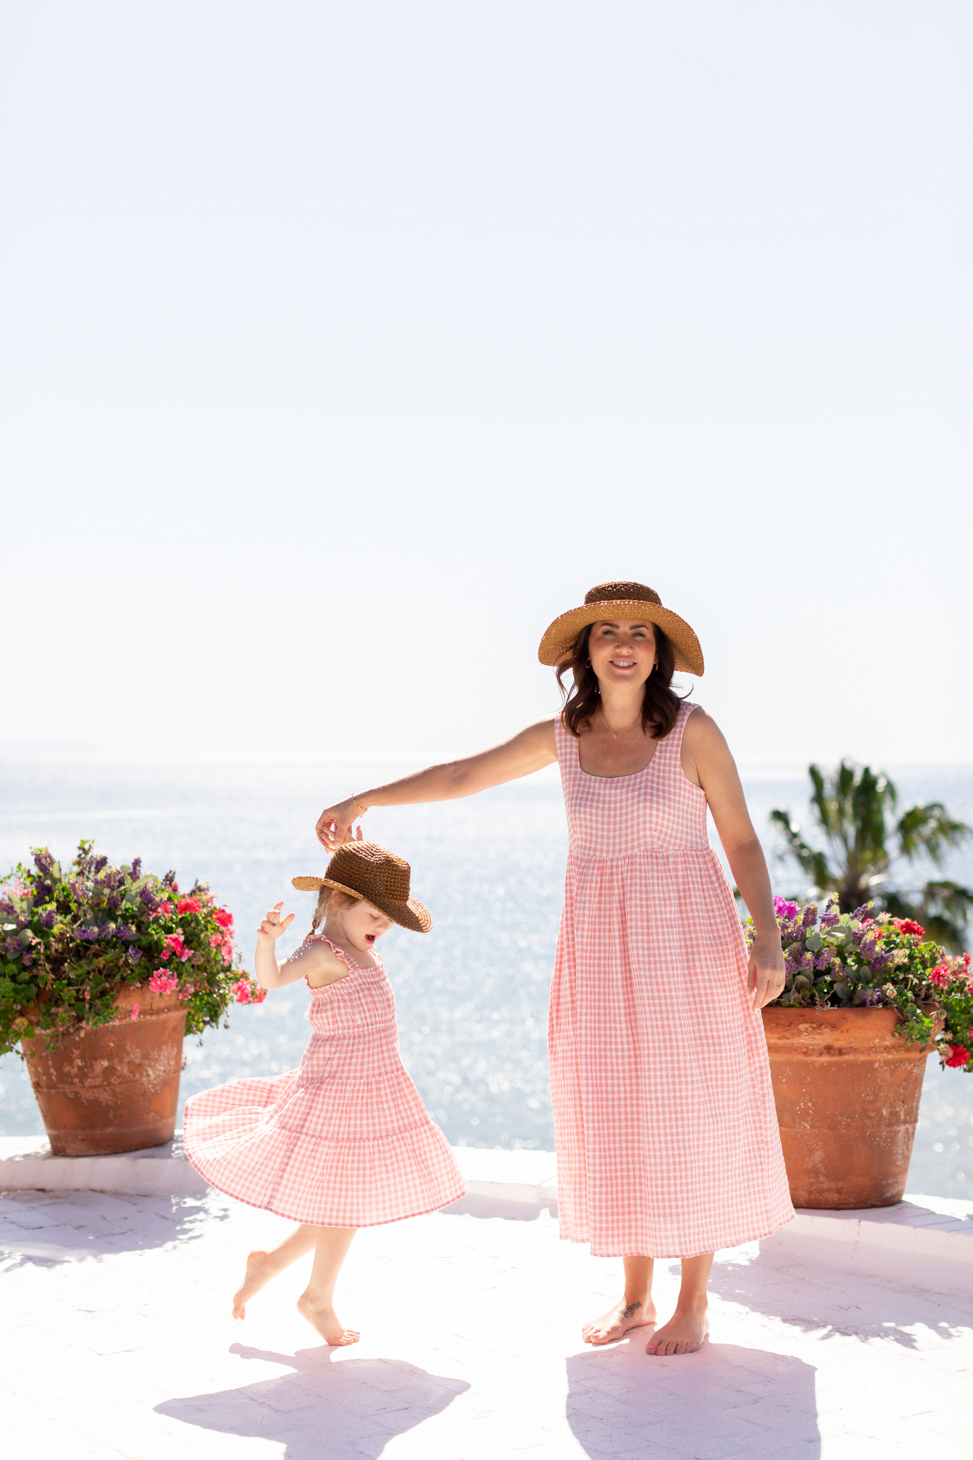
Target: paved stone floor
[116, 1341]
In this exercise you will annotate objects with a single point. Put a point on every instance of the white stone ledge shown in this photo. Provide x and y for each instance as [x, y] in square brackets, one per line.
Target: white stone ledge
[920, 1230]
[26, 1164]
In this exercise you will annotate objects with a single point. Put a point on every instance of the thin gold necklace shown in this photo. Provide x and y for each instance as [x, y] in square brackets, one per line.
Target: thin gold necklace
[625, 728]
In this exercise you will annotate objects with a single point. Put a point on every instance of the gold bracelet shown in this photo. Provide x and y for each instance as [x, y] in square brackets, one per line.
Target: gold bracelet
[361, 808]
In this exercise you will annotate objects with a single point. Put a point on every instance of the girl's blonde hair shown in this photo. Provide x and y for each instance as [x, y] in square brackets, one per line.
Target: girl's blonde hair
[330, 900]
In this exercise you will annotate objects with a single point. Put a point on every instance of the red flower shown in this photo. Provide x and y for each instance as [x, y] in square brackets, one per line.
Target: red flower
[187, 905]
[908, 925]
[224, 917]
[958, 1056]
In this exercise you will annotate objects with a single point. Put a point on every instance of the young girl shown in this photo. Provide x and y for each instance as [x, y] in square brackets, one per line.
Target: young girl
[345, 1141]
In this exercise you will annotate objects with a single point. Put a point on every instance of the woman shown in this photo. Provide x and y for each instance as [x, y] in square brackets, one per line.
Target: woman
[665, 1126]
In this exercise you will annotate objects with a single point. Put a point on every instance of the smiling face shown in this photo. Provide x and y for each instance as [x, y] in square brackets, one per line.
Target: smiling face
[355, 922]
[622, 651]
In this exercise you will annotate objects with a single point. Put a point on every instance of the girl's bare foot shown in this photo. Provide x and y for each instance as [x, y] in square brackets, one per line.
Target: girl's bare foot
[683, 1334]
[260, 1269]
[618, 1320]
[325, 1321]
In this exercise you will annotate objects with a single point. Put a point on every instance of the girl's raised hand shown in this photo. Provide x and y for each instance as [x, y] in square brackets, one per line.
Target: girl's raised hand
[273, 924]
[334, 826]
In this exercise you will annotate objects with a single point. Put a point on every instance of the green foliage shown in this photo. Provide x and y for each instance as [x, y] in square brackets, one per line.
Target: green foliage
[70, 940]
[855, 809]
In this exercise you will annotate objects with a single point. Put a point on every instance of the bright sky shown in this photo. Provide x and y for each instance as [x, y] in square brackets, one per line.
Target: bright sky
[345, 345]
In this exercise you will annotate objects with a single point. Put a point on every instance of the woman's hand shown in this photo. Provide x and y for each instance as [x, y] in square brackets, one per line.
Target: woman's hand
[273, 924]
[335, 823]
[765, 972]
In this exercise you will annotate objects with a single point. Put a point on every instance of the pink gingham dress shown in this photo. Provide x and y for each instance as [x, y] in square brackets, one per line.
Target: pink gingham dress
[345, 1141]
[666, 1131]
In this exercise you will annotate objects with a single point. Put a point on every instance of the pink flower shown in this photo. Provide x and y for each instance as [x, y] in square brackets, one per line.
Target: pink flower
[224, 917]
[940, 975]
[241, 991]
[175, 944]
[163, 983]
[135, 1011]
[258, 995]
[187, 905]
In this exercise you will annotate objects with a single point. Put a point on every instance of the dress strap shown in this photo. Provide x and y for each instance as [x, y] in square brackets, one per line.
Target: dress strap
[338, 952]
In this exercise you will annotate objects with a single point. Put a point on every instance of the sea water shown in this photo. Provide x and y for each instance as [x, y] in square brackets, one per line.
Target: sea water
[471, 994]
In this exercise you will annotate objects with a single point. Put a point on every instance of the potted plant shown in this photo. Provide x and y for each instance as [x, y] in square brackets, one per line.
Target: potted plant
[103, 969]
[867, 997]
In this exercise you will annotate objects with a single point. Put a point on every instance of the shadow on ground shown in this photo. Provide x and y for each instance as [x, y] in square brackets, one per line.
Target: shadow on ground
[46, 1228]
[343, 1408]
[797, 1285]
[722, 1403]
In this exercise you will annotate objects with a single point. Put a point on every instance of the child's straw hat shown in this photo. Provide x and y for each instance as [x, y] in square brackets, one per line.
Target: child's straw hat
[621, 600]
[373, 875]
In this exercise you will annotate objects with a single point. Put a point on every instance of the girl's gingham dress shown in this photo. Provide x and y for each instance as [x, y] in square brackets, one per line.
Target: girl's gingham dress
[345, 1141]
[666, 1131]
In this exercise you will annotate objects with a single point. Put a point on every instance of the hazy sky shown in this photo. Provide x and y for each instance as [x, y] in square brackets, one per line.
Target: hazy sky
[345, 345]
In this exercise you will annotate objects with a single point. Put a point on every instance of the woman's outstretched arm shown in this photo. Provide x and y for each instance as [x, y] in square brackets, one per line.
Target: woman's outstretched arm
[527, 752]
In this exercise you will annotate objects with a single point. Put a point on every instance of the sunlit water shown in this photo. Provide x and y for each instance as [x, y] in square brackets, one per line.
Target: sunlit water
[472, 993]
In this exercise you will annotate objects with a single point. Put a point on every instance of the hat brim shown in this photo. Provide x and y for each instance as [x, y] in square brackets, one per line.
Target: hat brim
[411, 914]
[559, 638]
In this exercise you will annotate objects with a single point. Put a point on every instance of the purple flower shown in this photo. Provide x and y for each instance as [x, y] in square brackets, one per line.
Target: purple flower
[148, 898]
[47, 918]
[126, 932]
[136, 869]
[863, 911]
[87, 935]
[873, 996]
[829, 920]
[99, 862]
[108, 931]
[114, 902]
[43, 861]
[785, 909]
[134, 955]
[12, 948]
[809, 916]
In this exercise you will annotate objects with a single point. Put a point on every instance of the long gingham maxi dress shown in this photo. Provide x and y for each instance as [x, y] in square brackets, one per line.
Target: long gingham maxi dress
[344, 1141]
[666, 1131]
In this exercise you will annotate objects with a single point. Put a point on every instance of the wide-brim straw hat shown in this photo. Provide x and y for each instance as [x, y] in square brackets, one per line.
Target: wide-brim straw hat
[376, 876]
[621, 601]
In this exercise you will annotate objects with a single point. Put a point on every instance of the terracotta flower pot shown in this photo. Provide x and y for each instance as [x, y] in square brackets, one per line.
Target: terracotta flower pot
[847, 1089]
[114, 1088]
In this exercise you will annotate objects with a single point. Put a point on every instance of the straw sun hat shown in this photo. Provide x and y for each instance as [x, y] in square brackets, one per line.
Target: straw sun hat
[615, 601]
[373, 875]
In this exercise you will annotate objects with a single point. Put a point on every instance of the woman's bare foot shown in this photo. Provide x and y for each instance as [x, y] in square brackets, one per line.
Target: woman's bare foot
[260, 1269]
[618, 1320]
[325, 1321]
[683, 1334]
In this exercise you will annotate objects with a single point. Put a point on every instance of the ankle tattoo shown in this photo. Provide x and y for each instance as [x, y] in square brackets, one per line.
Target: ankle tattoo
[629, 1309]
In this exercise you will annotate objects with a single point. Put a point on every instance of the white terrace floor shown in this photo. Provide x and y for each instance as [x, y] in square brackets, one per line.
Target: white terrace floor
[116, 1339]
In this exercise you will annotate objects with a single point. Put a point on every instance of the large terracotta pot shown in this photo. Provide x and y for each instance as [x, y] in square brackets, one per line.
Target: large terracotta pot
[847, 1089]
[114, 1088]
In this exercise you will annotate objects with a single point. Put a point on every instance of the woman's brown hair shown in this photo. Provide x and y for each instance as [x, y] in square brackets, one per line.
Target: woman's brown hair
[660, 705]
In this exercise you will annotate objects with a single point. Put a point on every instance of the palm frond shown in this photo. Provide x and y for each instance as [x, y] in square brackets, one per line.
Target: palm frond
[813, 863]
[930, 829]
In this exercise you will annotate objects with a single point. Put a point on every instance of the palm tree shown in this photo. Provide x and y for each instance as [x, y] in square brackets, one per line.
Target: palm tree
[855, 808]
